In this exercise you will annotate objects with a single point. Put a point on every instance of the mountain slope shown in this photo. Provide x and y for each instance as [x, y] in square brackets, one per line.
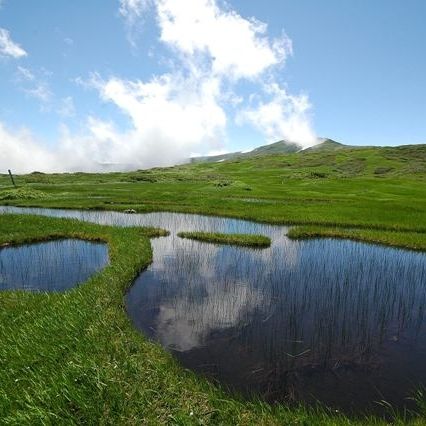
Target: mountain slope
[327, 145]
[280, 147]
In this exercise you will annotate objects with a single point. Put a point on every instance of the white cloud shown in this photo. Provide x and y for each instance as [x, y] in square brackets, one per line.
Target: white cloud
[24, 74]
[40, 91]
[8, 47]
[188, 108]
[171, 115]
[21, 153]
[217, 44]
[99, 146]
[35, 84]
[236, 46]
[284, 116]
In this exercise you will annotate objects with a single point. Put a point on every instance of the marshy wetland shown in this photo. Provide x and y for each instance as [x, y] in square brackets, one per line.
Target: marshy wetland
[50, 266]
[327, 320]
[83, 356]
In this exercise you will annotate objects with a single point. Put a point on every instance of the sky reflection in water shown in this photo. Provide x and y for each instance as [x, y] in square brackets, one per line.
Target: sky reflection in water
[50, 266]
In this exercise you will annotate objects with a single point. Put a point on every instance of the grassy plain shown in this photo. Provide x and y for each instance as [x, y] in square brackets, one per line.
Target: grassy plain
[74, 358]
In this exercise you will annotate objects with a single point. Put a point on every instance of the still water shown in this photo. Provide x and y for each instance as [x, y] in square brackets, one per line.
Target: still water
[50, 266]
[339, 322]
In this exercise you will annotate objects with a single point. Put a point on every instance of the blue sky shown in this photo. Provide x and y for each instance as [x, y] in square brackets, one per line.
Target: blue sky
[140, 83]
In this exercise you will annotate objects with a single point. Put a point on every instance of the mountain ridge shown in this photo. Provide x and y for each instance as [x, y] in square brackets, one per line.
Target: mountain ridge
[280, 147]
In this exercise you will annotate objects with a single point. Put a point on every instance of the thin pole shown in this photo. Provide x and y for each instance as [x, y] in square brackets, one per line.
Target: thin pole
[11, 178]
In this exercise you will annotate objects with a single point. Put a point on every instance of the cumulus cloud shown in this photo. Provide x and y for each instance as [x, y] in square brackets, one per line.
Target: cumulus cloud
[171, 114]
[8, 47]
[283, 116]
[232, 45]
[189, 107]
[184, 111]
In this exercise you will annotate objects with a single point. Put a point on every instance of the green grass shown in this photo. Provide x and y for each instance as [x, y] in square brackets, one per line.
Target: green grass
[406, 240]
[247, 240]
[74, 358]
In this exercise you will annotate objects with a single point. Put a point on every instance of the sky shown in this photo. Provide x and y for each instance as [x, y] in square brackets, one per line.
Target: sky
[124, 84]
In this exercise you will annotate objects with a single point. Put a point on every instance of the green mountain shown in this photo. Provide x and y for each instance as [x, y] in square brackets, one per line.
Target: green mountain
[327, 145]
[280, 147]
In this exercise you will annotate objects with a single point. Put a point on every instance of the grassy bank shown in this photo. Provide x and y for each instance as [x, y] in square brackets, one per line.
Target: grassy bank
[246, 240]
[405, 240]
[74, 357]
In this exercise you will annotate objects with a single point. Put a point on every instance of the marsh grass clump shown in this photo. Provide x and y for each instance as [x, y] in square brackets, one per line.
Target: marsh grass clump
[246, 240]
[23, 194]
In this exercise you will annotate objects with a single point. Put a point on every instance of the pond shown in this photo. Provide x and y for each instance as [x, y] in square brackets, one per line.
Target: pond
[327, 320]
[50, 266]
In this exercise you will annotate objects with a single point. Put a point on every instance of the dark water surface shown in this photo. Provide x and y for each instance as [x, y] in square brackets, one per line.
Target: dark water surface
[341, 322]
[50, 266]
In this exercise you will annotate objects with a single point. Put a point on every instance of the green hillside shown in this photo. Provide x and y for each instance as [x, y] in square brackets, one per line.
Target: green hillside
[280, 147]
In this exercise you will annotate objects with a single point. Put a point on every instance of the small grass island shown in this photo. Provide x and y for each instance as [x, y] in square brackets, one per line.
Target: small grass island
[246, 240]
